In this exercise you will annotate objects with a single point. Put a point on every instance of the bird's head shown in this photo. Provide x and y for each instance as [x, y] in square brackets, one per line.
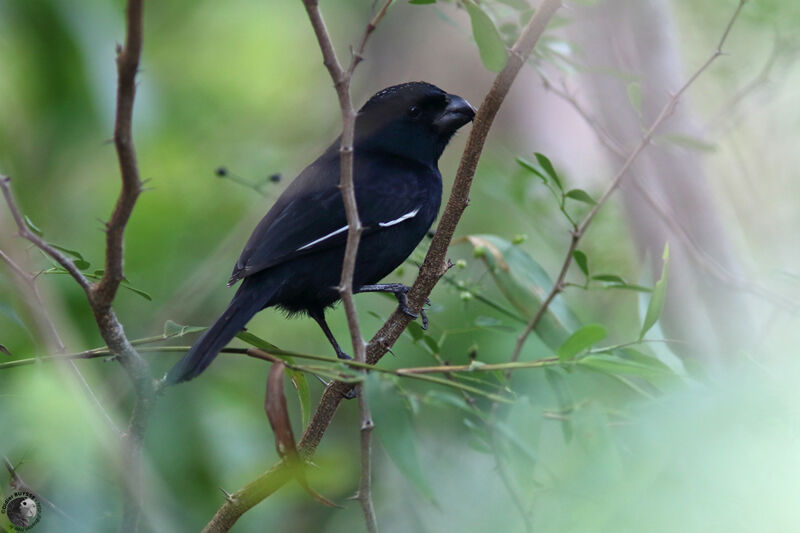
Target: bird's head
[414, 120]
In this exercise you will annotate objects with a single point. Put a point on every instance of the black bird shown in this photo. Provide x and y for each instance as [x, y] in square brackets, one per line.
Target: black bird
[293, 259]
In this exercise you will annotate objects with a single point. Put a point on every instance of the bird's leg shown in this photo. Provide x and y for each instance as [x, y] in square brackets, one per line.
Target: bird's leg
[400, 291]
[319, 316]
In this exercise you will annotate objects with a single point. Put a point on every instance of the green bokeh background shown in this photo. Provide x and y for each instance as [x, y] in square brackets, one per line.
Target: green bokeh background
[240, 84]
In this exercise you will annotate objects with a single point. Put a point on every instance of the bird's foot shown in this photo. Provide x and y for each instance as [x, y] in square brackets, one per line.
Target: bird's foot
[351, 394]
[402, 301]
[400, 292]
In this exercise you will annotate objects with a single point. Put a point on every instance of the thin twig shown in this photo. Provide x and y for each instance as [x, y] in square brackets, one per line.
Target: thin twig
[433, 268]
[365, 483]
[24, 232]
[580, 229]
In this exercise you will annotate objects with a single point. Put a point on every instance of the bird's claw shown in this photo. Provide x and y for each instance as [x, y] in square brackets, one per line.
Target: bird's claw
[403, 305]
[351, 394]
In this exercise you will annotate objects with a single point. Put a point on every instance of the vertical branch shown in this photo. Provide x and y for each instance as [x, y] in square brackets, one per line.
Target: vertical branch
[127, 67]
[341, 81]
[365, 484]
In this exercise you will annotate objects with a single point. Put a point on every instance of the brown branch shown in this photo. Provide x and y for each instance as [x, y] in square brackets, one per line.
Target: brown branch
[127, 67]
[580, 229]
[341, 81]
[433, 268]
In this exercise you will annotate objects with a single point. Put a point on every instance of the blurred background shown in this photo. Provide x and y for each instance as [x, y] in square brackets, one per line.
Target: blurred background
[696, 434]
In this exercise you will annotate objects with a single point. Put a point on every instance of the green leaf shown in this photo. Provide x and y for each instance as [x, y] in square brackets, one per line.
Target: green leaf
[490, 45]
[258, 342]
[584, 338]
[140, 292]
[415, 330]
[527, 165]
[421, 2]
[609, 277]
[582, 261]
[608, 364]
[656, 304]
[79, 261]
[33, 227]
[525, 284]
[635, 96]
[303, 394]
[394, 429]
[173, 329]
[548, 168]
[581, 196]
[431, 343]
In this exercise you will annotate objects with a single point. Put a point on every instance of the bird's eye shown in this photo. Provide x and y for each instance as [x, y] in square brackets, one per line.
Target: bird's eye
[414, 111]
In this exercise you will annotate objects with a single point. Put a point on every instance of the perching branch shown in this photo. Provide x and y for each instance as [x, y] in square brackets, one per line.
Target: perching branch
[579, 230]
[433, 268]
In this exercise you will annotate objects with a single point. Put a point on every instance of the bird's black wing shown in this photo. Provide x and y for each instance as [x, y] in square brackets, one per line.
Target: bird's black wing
[309, 216]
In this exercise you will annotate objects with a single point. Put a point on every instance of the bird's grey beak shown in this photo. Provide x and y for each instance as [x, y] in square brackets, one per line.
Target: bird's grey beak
[457, 113]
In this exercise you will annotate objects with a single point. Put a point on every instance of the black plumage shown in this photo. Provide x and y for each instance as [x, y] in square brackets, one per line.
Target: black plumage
[293, 259]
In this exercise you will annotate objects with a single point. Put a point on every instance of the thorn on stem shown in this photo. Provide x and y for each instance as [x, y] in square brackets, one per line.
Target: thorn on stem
[228, 496]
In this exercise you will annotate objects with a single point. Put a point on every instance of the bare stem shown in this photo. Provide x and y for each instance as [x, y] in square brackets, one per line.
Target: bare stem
[579, 231]
[365, 484]
[127, 68]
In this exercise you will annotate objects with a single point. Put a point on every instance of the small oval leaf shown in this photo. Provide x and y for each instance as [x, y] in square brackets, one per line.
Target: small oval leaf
[581, 196]
[584, 338]
[656, 304]
[527, 165]
[582, 261]
[545, 163]
[490, 45]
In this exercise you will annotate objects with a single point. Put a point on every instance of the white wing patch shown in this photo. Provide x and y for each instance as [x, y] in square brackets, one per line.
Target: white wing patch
[410, 214]
[328, 236]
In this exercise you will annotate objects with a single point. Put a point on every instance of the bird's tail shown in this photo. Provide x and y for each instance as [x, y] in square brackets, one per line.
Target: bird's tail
[244, 305]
